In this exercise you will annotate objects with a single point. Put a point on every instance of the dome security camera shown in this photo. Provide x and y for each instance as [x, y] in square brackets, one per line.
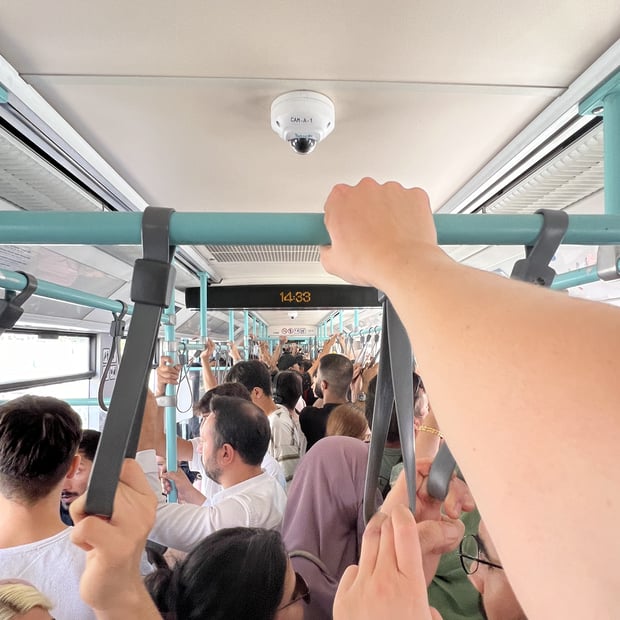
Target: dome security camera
[303, 118]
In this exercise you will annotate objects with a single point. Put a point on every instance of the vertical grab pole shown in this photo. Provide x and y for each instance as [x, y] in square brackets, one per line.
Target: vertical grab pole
[341, 322]
[231, 325]
[611, 129]
[356, 319]
[170, 348]
[246, 334]
[204, 280]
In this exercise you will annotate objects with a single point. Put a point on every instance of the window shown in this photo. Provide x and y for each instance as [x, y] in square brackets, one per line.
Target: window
[31, 358]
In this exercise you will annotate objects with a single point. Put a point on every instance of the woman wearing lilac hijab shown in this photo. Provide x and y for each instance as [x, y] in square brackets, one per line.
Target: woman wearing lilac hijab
[324, 519]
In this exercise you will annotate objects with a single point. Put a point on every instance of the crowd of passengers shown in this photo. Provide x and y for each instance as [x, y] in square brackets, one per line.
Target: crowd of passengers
[270, 498]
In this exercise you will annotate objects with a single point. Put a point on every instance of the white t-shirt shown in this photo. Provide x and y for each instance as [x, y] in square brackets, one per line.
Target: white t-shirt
[54, 566]
[209, 487]
[257, 502]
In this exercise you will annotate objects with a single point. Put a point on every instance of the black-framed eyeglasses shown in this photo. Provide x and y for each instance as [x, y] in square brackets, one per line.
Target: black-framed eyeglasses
[300, 593]
[469, 552]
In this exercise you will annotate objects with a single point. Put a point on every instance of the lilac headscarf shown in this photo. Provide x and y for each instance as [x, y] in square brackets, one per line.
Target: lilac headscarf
[324, 516]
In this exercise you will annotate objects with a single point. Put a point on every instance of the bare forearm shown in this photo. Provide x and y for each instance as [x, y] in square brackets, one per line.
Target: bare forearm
[138, 606]
[208, 378]
[512, 413]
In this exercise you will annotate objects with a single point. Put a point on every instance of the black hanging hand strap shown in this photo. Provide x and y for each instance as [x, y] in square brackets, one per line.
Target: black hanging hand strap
[151, 291]
[394, 387]
[11, 307]
[117, 328]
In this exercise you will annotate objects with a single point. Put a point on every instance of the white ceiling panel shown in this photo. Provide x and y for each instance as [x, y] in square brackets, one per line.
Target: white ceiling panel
[487, 42]
[176, 96]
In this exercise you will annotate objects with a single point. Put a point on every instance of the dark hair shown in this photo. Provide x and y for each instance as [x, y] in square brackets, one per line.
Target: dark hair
[223, 389]
[337, 370]
[287, 388]
[38, 438]
[251, 374]
[88, 443]
[243, 425]
[233, 573]
[286, 361]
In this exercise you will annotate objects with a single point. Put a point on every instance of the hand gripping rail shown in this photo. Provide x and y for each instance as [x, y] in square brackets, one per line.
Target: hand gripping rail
[151, 290]
[394, 387]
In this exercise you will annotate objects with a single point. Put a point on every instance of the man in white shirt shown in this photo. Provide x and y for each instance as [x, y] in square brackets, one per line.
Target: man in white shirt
[187, 450]
[234, 439]
[39, 437]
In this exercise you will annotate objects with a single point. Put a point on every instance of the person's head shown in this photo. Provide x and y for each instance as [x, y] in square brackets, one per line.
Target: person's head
[203, 407]
[334, 376]
[287, 388]
[234, 435]
[20, 600]
[39, 437]
[349, 421]
[241, 573]
[481, 562]
[76, 485]
[254, 376]
[288, 361]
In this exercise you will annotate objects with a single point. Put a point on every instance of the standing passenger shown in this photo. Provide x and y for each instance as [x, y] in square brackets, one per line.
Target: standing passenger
[38, 448]
[333, 380]
[234, 439]
[283, 447]
[76, 485]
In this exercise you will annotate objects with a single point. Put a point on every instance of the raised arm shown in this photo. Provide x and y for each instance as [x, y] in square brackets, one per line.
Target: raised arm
[166, 374]
[327, 347]
[208, 378]
[501, 359]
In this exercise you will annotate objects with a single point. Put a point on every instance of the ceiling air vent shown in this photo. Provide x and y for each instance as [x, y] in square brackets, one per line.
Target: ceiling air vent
[559, 182]
[264, 253]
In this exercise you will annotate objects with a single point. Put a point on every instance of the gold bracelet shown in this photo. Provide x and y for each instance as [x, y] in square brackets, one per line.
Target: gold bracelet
[431, 430]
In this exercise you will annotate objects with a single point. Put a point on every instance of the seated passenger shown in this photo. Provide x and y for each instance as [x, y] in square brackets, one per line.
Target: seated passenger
[20, 600]
[333, 380]
[240, 573]
[349, 421]
[39, 438]
[77, 484]
[234, 439]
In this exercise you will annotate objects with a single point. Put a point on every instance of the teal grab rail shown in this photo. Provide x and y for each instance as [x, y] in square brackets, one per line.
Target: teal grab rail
[282, 229]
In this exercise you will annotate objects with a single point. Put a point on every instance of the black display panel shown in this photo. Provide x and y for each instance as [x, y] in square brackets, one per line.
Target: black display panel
[278, 297]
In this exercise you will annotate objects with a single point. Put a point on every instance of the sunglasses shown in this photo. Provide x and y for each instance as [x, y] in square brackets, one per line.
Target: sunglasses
[301, 592]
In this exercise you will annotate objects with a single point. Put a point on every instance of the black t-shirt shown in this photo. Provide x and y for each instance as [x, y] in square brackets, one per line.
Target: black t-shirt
[313, 421]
